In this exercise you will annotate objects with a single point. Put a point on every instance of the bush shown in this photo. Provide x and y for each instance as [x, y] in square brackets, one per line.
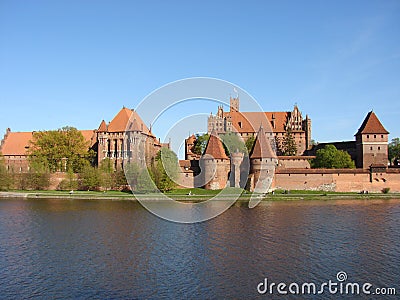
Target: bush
[34, 181]
[90, 178]
[69, 183]
[385, 190]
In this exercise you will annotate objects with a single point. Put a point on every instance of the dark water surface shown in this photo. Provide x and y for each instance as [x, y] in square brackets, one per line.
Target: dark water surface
[81, 249]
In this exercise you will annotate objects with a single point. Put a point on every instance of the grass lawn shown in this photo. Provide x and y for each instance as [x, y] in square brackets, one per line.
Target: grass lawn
[199, 194]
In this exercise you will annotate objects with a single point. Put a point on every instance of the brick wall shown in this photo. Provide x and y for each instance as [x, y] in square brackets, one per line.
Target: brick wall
[345, 180]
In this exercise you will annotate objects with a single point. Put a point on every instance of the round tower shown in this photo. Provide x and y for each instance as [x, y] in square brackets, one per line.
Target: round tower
[236, 162]
[214, 164]
[263, 161]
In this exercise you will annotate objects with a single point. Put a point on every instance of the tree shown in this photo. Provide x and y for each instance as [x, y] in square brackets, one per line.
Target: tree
[250, 143]
[5, 177]
[394, 150]
[38, 178]
[69, 183]
[289, 146]
[201, 143]
[232, 142]
[331, 158]
[106, 170]
[145, 181]
[132, 172]
[90, 178]
[165, 169]
[60, 150]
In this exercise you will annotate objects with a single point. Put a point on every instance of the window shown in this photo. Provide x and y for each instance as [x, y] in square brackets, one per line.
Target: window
[374, 136]
[382, 136]
[379, 148]
[367, 136]
[240, 124]
[370, 148]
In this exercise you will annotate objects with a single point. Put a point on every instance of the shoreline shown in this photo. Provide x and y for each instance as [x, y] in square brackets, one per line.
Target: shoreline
[28, 195]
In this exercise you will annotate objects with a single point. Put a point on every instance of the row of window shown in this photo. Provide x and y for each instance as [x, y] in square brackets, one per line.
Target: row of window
[374, 136]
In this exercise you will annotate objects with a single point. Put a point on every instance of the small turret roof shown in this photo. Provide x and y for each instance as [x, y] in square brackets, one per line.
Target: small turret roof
[214, 147]
[102, 127]
[371, 124]
[262, 147]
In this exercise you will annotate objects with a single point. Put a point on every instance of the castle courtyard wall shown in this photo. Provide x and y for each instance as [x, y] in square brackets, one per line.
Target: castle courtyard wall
[339, 180]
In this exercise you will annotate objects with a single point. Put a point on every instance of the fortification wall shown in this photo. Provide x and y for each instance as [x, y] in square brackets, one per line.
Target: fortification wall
[343, 180]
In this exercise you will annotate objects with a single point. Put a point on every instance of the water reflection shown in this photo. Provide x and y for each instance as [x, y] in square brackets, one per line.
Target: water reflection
[116, 249]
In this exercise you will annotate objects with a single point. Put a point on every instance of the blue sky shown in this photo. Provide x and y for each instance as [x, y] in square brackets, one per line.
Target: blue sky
[78, 62]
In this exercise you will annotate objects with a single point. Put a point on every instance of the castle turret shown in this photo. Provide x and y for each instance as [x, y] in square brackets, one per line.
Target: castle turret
[371, 143]
[263, 161]
[215, 164]
[236, 162]
[234, 104]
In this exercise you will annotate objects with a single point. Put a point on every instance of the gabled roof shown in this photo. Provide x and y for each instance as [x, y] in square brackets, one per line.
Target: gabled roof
[120, 121]
[262, 147]
[128, 119]
[371, 124]
[250, 121]
[90, 136]
[214, 147]
[191, 139]
[102, 127]
[17, 143]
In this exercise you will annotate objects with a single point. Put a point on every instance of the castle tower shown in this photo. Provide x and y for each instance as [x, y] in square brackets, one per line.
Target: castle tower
[371, 143]
[236, 162]
[189, 144]
[307, 129]
[263, 161]
[234, 103]
[103, 145]
[215, 164]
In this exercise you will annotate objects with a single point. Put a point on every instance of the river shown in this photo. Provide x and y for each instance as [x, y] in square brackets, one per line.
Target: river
[93, 249]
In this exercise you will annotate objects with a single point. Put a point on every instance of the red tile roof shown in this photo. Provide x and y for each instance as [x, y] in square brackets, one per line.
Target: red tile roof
[102, 127]
[127, 117]
[251, 121]
[262, 146]
[17, 143]
[371, 124]
[214, 147]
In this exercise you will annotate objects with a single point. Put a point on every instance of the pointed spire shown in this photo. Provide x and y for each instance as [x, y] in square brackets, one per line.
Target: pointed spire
[371, 124]
[102, 127]
[214, 147]
[262, 147]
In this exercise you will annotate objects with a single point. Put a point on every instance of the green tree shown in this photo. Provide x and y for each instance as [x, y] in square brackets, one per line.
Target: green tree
[394, 150]
[145, 181]
[60, 150]
[201, 143]
[70, 183]
[289, 146]
[250, 143]
[331, 158]
[232, 142]
[37, 178]
[165, 169]
[132, 172]
[106, 170]
[5, 176]
[90, 178]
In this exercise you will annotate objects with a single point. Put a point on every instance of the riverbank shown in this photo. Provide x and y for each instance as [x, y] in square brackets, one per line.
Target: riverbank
[194, 197]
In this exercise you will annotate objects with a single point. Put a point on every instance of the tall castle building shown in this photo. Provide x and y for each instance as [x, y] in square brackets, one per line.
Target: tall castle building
[281, 122]
[123, 140]
[126, 139]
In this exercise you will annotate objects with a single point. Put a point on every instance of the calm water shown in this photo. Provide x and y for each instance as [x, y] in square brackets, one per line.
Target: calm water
[114, 249]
